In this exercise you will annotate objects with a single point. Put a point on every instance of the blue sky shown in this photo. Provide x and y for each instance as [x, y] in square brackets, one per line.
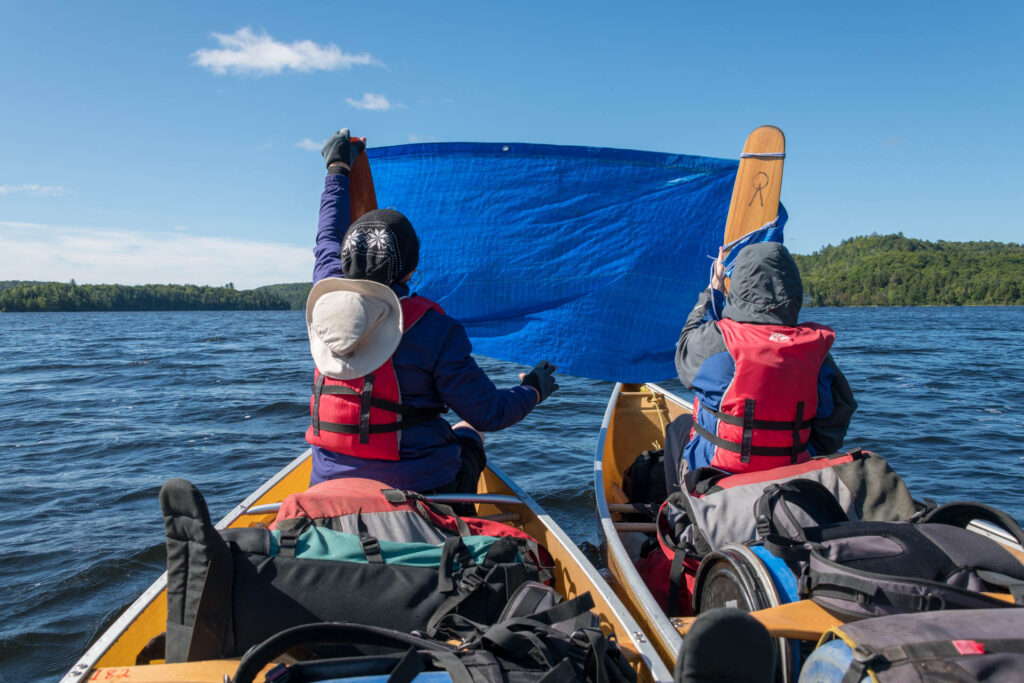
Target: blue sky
[146, 142]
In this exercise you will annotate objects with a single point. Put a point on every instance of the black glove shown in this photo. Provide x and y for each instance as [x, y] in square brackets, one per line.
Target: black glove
[542, 378]
[342, 149]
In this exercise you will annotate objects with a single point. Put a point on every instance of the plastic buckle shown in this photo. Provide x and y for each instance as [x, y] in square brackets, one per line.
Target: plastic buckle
[867, 655]
[469, 582]
[370, 545]
[764, 526]
[579, 646]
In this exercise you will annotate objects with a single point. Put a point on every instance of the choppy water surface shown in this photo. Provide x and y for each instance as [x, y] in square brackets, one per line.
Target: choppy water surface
[97, 410]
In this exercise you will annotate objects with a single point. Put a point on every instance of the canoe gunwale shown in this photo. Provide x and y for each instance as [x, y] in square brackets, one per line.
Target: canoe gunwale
[635, 635]
[663, 630]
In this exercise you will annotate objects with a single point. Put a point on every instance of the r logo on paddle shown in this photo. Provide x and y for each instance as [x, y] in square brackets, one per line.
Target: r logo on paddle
[761, 181]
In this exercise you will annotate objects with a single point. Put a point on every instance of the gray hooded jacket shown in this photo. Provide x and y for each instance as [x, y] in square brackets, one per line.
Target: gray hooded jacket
[766, 290]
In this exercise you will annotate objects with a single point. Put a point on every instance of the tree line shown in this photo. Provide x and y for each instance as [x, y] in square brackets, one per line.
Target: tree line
[893, 270]
[873, 270]
[57, 296]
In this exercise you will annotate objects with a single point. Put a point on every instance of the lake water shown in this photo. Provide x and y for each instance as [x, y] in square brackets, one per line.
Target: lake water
[97, 410]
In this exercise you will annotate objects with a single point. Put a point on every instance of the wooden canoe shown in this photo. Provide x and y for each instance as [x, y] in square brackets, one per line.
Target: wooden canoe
[113, 655]
[634, 422]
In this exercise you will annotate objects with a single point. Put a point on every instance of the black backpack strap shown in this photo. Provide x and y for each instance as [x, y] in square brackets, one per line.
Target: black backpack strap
[472, 576]
[569, 610]
[865, 591]
[675, 581]
[590, 648]
[454, 548]
[199, 577]
[775, 518]
[453, 665]
[328, 633]
[962, 513]
[369, 544]
[408, 668]
[422, 504]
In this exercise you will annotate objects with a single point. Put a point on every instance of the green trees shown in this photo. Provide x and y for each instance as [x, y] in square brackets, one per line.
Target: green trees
[893, 270]
[295, 293]
[873, 270]
[56, 296]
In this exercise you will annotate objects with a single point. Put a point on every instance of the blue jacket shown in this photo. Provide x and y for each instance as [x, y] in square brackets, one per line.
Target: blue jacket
[434, 366]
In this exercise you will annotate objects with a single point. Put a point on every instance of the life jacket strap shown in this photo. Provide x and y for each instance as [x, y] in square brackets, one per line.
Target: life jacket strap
[384, 428]
[796, 434]
[381, 403]
[748, 430]
[411, 416]
[771, 425]
[318, 389]
[765, 451]
[364, 409]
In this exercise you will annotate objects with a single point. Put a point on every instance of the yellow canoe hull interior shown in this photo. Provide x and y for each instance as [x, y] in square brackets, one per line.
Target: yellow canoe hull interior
[113, 655]
[634, 422]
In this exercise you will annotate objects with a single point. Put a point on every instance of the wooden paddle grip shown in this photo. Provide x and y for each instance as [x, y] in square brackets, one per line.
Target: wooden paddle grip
[362, 195]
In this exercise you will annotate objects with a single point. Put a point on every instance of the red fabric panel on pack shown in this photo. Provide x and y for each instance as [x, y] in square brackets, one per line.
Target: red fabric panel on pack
[777, 473]
[340, 497]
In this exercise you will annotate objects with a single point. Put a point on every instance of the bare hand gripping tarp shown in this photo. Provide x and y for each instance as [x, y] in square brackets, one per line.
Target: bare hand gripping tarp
[588, 257]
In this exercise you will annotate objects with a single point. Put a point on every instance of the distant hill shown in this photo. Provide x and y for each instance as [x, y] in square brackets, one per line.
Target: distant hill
[893, 270]
[294, 293]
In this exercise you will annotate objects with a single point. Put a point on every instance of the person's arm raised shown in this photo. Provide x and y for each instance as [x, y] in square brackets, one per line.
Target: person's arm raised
[340, 152]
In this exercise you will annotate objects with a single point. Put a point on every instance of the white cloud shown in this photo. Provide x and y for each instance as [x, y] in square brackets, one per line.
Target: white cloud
[33, 251]
[311, 145]
[247, 52]
[35, 190]
[370, 101]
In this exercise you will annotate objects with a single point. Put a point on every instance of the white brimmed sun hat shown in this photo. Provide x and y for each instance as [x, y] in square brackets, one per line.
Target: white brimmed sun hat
[354, 326]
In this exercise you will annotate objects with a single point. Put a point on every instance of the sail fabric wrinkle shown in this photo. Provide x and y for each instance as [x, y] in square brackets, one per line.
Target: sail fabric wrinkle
[588, 257]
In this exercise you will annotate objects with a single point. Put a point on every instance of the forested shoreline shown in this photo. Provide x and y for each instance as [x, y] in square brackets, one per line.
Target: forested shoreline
[893, 270]
[57, 296]
[872, 270]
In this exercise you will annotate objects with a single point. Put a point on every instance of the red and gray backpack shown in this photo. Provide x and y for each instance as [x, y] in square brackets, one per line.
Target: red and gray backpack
[717, 509]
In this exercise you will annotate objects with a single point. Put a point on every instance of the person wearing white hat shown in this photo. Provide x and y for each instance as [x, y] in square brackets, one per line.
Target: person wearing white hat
[390, 363]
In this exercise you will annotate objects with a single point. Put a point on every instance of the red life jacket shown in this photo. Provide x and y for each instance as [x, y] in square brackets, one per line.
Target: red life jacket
[765, 416]
[361, 417]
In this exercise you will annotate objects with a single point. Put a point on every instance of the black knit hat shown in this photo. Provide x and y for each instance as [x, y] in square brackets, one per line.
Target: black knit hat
[380, 245]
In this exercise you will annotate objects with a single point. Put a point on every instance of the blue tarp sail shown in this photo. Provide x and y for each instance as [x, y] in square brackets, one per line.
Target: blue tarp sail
[588, 257]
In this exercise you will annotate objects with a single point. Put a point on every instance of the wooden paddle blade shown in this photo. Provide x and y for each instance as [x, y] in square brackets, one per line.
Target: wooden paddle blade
[755, 196]
[804, 620]
[363, 196]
